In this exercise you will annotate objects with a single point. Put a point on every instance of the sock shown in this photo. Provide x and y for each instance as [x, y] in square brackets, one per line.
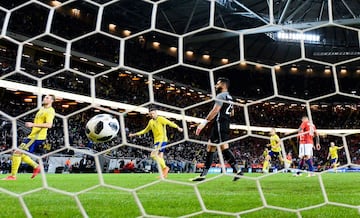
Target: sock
[162, 163]
[159, 160]
[301, 164]
[266, 165]
[229, 156]
[28, 160]
[16, 161]
[208, 162]
[309, 163]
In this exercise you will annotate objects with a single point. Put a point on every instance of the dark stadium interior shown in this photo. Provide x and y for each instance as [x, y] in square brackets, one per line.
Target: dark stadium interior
[95, 59]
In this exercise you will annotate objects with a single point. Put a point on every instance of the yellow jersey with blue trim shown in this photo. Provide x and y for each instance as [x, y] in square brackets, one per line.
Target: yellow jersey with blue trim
[333, 152]
[274, 139]
[44, 115]
[158, 128]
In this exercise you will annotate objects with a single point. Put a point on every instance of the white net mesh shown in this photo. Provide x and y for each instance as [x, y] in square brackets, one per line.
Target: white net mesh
[168, 54]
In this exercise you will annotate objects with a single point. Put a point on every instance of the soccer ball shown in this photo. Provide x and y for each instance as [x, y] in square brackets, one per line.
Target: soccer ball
[102, 128]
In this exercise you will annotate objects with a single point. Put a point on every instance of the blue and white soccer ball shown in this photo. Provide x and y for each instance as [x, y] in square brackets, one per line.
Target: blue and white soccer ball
[102, 128]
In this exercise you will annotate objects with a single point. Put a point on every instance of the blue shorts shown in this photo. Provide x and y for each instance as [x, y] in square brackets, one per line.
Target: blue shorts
[332, 161]
[274, 154]
[31, 145]
[160, 146]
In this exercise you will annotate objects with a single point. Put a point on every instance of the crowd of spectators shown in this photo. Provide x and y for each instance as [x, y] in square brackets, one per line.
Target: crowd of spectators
[5, 165]
[183, 156]
[332, 116]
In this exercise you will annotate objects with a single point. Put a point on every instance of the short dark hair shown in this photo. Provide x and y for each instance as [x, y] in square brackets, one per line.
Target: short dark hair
[52, 96]
[152, 109]
[224, 80]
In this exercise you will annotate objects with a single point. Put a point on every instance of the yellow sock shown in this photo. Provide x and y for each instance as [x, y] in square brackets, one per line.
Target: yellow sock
[281, 161]
[162, 163]
[16, 161]
[335, 167]
[159, 160]
[28, 160]
[266, 165]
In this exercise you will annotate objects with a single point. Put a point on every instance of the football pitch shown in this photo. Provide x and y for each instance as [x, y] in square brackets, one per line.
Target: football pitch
[135, 195]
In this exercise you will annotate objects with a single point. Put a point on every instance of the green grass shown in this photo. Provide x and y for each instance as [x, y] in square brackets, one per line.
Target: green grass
[169, 198]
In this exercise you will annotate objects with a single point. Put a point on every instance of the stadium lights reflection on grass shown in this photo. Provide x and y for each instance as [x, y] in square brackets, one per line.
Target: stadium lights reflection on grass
[293, 36]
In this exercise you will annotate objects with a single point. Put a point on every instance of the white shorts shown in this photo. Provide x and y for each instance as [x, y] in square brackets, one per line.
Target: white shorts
[306, 149]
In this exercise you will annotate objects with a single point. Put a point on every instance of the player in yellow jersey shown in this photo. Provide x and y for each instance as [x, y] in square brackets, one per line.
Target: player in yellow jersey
[265, 152]
[274, 152]
[157, 124]
[42, 122]
[333, 154]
